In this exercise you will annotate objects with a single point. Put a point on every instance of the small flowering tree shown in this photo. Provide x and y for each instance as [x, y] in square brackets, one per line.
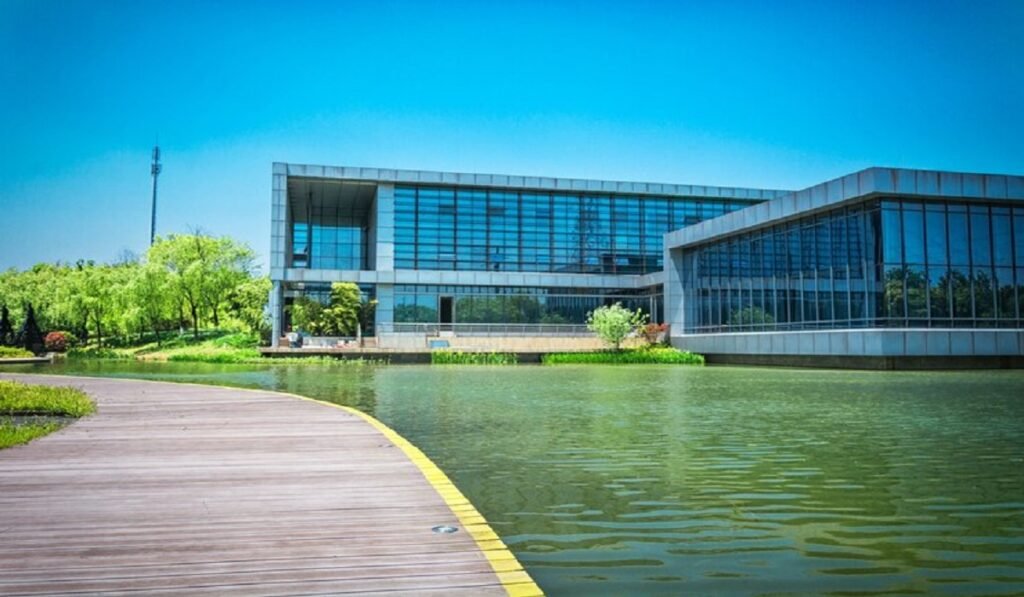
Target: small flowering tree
[614, 323]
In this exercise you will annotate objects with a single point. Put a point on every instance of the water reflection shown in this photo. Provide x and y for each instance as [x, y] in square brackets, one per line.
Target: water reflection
[718, 480]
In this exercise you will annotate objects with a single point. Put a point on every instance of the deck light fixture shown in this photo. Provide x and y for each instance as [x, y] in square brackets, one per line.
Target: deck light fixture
[445, 529]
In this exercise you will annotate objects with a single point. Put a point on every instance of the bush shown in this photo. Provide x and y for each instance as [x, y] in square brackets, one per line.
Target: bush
[614, 323]
[12, 352]
[93, 352]
[55, 342]
[457, 357]
[241, 340]
[653, 355]
[204, 354]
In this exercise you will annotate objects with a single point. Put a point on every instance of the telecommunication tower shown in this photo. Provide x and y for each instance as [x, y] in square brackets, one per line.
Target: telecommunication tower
[155, 171]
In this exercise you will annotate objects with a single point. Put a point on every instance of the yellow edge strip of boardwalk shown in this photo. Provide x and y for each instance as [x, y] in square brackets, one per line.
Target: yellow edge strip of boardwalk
[516, 581]
[513, 577]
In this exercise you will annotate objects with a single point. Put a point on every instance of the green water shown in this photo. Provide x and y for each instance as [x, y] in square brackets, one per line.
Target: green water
[733, 481]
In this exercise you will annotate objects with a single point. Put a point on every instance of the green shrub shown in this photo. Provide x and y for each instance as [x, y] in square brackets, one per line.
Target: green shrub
[13, 435]
[213, 354]
[92, 352]
[240, 340]
[457, 357]
[658, 355]
[11, 352]
[22, 399]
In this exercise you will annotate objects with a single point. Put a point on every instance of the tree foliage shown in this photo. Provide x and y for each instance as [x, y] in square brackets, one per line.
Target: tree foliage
[190, 280]
[31, 338]
[340, 317]
[6, 329]
[613, 323]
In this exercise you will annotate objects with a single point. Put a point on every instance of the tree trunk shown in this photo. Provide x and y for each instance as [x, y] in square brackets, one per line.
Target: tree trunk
[195, 322]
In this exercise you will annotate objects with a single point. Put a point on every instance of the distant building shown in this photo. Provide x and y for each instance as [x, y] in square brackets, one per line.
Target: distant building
[879, 263]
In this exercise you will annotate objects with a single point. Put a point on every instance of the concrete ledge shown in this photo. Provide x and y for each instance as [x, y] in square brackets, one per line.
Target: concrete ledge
[887, 363]
[27, 361]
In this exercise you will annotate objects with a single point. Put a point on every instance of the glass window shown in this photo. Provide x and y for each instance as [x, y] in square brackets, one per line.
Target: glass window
[1005, 299]
[1001, 240]
[960, 288]
[1018, 236]
[913, 234]
[892, 236]
[935, 221]
[981, 240]
[916, 285]
[893, 292]
[959, 254]
[938, 292]
[984, 295]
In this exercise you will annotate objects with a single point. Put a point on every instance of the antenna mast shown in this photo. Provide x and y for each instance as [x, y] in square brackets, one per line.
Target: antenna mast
[155, 171]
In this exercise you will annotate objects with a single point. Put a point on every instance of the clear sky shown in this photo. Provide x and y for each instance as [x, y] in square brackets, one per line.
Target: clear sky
[761, 94]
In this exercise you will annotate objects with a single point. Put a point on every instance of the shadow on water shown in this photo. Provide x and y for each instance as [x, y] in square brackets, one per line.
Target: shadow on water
[745, 481]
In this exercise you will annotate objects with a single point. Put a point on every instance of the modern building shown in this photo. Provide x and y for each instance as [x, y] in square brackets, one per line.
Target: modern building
[879, 263]
[884, 267]
[475, 253]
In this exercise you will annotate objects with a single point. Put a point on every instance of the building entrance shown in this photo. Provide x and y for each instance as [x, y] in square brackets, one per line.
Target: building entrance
[446, 310]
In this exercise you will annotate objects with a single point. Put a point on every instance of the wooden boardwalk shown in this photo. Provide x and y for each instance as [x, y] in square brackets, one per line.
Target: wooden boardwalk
[174, 488]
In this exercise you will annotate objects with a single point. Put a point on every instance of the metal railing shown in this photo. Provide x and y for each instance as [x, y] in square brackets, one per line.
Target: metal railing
[487, 329]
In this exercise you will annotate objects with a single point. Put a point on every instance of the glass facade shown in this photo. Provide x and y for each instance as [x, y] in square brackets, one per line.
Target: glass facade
[445, 228]
[494, 304]
[330, 235]
[891, 262]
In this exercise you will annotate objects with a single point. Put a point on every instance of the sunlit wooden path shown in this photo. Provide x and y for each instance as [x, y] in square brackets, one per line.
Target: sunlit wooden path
[175, 488]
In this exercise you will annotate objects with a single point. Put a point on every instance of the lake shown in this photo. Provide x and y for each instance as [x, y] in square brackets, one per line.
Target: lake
[706, 480]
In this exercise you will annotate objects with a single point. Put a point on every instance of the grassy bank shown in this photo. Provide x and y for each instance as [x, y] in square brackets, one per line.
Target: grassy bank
[210, 347]
[658, 355]
[28, 401]
[9, 352]
[457, 357]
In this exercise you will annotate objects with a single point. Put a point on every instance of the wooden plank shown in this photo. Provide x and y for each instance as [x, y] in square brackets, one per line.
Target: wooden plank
[180, 488]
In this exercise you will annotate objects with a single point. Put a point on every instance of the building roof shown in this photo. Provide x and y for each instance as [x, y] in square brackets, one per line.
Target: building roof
[850, 188]
[506, 181]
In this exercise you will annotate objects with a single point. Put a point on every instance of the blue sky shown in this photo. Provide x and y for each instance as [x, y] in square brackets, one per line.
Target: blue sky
[761, 94]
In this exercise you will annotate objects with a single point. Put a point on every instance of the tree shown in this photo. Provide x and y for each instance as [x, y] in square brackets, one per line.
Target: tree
[750, 316]
[341, 317]
[6, 330]
[204, 270]
[30, 335]
[307, 315]
[247, 302]
[613, 323]
[150, 292]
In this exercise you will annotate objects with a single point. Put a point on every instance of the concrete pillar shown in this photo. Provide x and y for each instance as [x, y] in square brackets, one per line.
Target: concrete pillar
[279, 241]
[276, 312]
[384, 211]
[674, 303]
[385, 314]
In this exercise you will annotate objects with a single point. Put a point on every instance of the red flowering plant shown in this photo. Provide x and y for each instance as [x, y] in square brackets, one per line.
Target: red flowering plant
[654, 332]
[56, 342]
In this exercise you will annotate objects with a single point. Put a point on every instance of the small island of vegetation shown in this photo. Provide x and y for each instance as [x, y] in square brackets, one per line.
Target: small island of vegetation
[30, 411]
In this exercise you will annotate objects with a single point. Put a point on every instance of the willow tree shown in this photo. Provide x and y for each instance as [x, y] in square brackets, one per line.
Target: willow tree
[203, 272]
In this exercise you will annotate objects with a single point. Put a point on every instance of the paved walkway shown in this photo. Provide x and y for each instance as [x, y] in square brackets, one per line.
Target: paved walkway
[174, 488]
